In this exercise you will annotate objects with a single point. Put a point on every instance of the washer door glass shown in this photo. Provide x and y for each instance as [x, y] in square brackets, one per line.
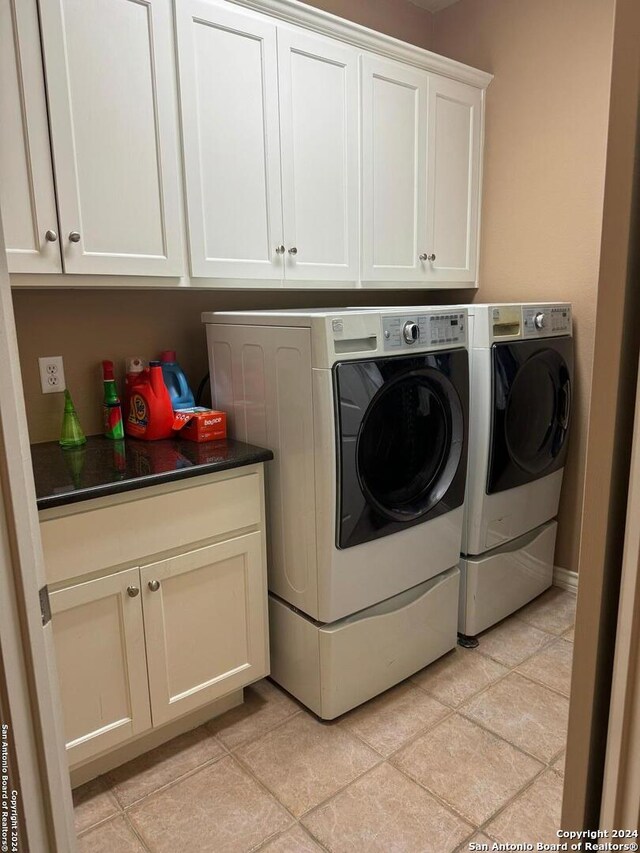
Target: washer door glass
[404, 446]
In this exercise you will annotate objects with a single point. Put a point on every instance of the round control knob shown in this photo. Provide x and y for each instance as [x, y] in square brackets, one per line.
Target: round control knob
[538, 320]
[410, 332]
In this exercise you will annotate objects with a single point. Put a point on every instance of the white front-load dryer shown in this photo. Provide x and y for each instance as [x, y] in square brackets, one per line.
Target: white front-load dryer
[521, 368]
[366, 412]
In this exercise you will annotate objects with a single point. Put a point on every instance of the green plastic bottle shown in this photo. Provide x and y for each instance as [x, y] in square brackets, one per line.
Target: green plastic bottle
[111, 408]
[71, 434]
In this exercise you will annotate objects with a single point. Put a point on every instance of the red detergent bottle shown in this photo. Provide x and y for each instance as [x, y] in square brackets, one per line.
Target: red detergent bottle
[150, 414]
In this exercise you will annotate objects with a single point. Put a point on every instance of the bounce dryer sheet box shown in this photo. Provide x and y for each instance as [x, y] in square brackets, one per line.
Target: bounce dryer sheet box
[200, 424]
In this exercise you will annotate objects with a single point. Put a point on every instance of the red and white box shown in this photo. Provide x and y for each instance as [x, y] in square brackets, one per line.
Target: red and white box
[199, 424]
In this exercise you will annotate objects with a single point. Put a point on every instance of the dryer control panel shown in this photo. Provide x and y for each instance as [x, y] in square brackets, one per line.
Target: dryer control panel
[545, 321]
[424, 331]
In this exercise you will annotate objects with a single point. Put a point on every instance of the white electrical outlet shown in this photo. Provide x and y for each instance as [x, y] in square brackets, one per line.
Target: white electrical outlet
[51, 374]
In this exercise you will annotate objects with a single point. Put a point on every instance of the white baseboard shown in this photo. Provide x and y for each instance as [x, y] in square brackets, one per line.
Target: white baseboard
[565, 579]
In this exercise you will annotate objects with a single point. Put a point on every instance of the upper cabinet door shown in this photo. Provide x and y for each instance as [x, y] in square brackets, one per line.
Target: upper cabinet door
[394, 139]
[454, 145]
[111, 85]
[319, 135]
[229, 98]
[27, 200]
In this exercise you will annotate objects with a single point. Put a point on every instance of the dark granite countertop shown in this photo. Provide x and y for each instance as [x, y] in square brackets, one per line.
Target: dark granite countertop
[104, 467]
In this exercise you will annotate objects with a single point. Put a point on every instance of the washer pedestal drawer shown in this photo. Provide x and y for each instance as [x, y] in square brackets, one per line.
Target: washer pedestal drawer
[334, 667]
[499, 582]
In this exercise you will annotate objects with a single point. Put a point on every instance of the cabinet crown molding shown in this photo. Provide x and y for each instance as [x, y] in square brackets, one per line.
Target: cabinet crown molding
[327, 24]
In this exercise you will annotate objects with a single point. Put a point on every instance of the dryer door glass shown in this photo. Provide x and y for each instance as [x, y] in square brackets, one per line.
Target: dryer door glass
[404, 441]
[402, 426]
[532, 405]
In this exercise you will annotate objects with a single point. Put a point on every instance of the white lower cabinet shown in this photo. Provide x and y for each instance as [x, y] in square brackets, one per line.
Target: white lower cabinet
[206, 626]
[140, 647]
[102, 669]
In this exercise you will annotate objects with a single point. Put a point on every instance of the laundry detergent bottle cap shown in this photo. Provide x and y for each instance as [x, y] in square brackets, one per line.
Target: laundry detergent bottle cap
[175, 380]
[150, 414]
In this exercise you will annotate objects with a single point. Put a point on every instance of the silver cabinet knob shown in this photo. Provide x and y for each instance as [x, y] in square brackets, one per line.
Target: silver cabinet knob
[132, 591]
[425, 257]
[279, 250]
[51, 236]
[293, 251]
[74, 237]
[154, 586]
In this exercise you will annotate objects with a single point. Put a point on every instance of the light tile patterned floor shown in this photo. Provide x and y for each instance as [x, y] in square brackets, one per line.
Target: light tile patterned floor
[470, 748]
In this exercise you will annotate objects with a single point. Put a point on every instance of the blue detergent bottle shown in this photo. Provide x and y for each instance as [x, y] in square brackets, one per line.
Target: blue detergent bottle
[175, 380]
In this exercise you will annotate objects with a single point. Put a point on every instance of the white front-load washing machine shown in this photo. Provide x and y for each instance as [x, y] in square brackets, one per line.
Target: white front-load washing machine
[366, 412]
[521, 370]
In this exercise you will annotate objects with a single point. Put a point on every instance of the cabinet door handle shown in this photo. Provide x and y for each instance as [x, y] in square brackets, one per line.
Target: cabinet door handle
[293, 251]
[132, 591]
[279, 250]
[74, 237]
[425, 257]
[50, 236]
[154, 586]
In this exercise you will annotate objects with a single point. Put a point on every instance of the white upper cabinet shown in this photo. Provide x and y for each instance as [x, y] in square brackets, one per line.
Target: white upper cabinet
[318, 90]
[346, 161]
[422, 140]
[394, 146]
[229, 97]
[111, 86]
[27, 199]
[453, 179]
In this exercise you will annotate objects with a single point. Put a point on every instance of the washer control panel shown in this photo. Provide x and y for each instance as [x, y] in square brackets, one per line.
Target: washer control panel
[424, 330]
[546, 321]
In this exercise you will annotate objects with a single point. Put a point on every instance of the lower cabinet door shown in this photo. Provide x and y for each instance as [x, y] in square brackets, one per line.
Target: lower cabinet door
[205, 615]
[99, 641]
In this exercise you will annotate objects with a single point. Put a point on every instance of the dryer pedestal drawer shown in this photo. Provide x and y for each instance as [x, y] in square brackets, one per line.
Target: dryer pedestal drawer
[335, 667]
[494, 585]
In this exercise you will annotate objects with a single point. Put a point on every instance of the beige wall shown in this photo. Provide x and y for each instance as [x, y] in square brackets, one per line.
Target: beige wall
[397, 18]
[85, 327]
[546, 124]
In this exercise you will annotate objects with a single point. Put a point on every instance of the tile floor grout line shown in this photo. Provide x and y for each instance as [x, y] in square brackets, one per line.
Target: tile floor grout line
[326, 802]
[483, 827]
[227, 752]
[541, 683]
[481, 724]
[473, 695]
[527, 657]
[138, 834]
[252, 740]
[460, 814]
[243, 766]
[175, 781]
[450, 711]
[102, 822]
[265, 787]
